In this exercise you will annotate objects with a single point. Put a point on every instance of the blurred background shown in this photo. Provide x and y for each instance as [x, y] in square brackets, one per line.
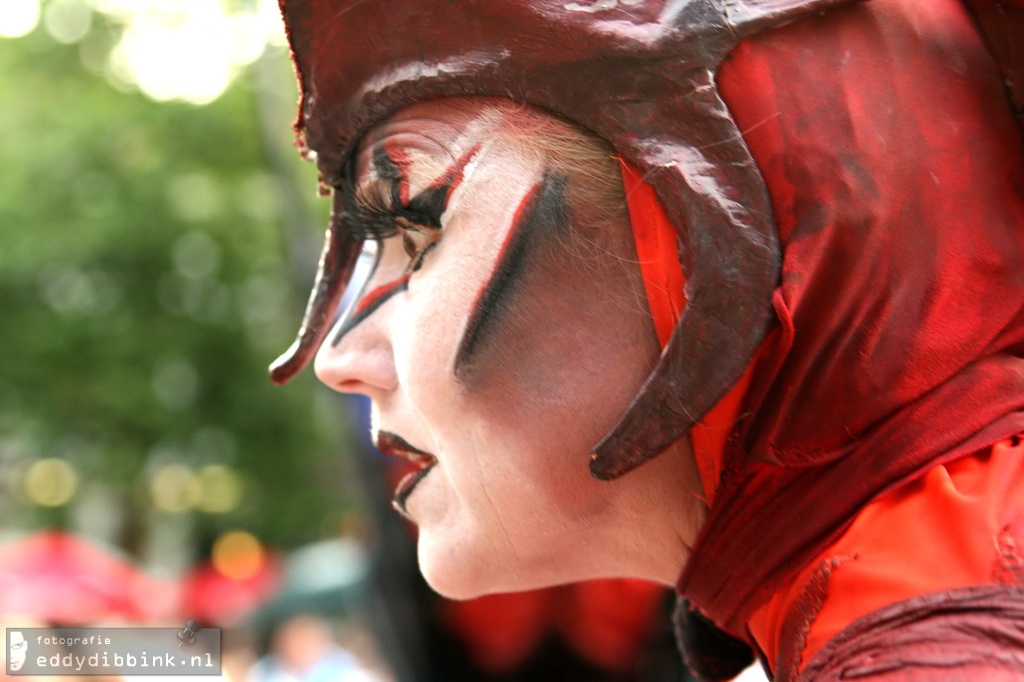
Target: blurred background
[158, 236]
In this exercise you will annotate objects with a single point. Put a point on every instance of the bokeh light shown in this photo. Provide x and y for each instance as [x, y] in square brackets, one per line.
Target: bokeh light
[220, 489]
[187, 50]
[168, 61]
[237, 555]
[196, 255]
[175, 488]
[18, 17]
[50, 482]
[176, 384]
[67, 21]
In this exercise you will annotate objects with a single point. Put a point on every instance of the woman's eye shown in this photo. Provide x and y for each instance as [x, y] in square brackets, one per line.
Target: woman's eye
[375, 213]
[417, 241]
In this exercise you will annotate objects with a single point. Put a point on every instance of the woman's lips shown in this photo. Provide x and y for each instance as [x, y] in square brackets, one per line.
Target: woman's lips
[393, 444]
[405, 488]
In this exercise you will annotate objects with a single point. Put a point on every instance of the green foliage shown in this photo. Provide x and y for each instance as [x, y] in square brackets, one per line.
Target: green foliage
[146, 285]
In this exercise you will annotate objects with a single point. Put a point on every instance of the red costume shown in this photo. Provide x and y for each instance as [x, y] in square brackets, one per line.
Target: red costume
[845, 195]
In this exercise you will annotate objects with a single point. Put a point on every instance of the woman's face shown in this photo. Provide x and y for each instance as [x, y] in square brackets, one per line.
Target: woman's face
[502, 334]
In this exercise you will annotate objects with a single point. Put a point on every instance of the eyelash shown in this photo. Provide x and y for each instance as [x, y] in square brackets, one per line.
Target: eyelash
[377, 215]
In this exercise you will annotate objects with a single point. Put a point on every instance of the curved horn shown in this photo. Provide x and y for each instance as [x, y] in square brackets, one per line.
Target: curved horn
[719, 204]
[337, 261]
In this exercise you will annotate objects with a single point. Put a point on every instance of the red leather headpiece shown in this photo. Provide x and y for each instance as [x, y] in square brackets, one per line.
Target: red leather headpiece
[639, 73]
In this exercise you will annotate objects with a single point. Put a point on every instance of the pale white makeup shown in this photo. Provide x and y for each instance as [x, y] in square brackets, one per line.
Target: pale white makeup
[509, 503]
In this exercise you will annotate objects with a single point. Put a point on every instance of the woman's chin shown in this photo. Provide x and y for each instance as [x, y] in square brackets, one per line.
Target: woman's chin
[461, 571]
[454, 570]
[449, 578]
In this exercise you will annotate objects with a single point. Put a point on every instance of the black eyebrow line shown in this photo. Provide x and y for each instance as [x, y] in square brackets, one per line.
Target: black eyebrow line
[385, 165]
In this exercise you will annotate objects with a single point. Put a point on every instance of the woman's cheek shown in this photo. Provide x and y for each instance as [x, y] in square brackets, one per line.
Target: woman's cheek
[425, 338]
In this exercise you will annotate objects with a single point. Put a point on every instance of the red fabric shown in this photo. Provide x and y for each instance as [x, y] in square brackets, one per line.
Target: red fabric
[964, 521]
[606, 622]
[1002, 22]
[959, 525]
[658, 252]
[664, 282]
[973, 633]
[897, 193]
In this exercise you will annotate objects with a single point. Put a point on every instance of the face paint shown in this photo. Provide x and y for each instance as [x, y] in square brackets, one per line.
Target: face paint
[516, 344]
[381, 214]
[540, 219]
[433, 200]
[368, 304]
[393, 444]
[389, 169]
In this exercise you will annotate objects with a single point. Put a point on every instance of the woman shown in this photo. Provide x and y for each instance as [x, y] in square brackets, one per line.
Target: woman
[800, 220]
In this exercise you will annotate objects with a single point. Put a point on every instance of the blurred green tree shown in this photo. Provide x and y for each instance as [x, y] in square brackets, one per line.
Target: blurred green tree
[146, 283]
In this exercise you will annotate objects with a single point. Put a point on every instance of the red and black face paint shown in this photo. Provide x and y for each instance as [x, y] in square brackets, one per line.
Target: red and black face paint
[368, 304]
[421, 463]
[542, 219]
[386, 210]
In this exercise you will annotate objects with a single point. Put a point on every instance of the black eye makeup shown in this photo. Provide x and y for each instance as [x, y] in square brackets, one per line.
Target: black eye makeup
[378, 211]
[384, 209]
[381, 210]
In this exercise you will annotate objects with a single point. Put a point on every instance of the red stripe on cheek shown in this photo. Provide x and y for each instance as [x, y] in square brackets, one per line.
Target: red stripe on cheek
[518, 220]
[374, 296]
[367, 304]
[539, 220]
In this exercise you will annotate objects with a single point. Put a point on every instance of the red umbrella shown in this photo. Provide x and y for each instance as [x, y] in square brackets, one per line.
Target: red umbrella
[57, 577]
[212, 597]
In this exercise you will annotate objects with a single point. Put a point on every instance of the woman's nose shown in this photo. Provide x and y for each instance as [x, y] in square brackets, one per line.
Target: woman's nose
[359, 358]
